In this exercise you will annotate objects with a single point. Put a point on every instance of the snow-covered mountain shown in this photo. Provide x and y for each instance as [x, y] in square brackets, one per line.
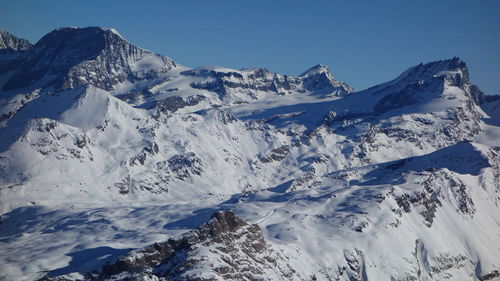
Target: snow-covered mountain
[9, 41]
[70, 57]
[120, 164]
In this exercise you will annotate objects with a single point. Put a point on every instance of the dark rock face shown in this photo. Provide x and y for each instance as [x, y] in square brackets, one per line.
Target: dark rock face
[222, 225]
[150, 149]
[430, 198]
[70, 57]
[225, 247]
[490, 276]
[184, 166]
[9, 41]
[276, 154]
[172, 104]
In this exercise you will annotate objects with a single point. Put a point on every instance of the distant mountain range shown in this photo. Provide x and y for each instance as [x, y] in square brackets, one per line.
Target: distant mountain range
[120, 164]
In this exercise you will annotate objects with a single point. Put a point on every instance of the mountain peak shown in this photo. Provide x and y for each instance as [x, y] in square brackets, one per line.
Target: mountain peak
[319, 79]
[71, 56]
[96, 38]
[317, 69]
[9, 41]
[97, 29]
[102, 28]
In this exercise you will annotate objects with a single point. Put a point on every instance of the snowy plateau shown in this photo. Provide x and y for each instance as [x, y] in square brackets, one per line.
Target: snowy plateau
[117, 163]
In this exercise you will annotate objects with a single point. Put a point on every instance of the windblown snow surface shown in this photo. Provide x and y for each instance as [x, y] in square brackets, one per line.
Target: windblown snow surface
[111, 148]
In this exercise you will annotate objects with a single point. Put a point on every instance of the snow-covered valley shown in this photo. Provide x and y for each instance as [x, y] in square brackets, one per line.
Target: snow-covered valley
[120, 164]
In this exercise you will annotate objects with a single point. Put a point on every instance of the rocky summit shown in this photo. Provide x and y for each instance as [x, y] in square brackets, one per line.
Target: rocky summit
[240, 249]
[117, 163]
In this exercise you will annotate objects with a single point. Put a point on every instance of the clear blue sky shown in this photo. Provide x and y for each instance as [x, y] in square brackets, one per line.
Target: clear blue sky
[363, 42]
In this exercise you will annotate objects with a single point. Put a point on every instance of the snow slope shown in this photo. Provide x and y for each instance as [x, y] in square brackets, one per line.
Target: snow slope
[107, 147]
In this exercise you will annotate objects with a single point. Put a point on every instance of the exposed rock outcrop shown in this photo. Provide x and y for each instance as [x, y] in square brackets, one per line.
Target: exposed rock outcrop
[224, 248]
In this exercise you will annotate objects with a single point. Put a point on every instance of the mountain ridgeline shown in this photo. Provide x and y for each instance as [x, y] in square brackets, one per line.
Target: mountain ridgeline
[117, 163]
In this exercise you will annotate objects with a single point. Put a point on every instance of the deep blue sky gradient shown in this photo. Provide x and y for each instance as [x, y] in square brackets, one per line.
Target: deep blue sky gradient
[363, 42]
